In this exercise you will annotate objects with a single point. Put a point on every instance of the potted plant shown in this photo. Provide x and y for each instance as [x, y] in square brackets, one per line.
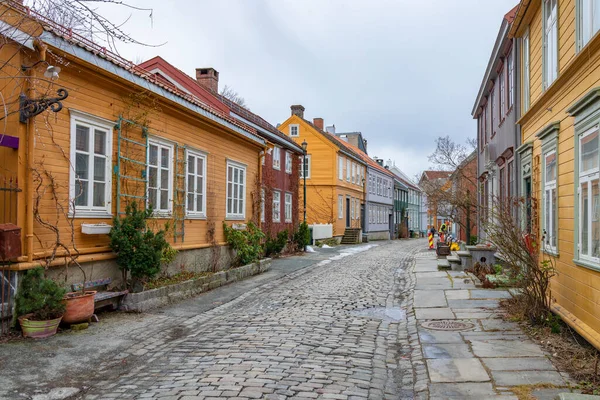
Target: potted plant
[79, 306]
[39, 304]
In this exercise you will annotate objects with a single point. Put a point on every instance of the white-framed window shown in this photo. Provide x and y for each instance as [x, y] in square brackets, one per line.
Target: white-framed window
[294, 130]
[589, 193]
[526, 71]
[236, 190]
[91, 155]
[511, 80]
[288, 162]
[276, 158]
[341, 168]
[276, 206]
[340, 206]
[358, 174]
[160, 176]
[347, 170]
[589, 21]
[262, 205]
[353, 173]
[351, 208]
[196, 183]
[288, 207]
[502, 79]
[305, 170]
[550, 11]
[550, 206]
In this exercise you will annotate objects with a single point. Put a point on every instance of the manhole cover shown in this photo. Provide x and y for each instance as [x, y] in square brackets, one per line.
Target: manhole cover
[447, 325]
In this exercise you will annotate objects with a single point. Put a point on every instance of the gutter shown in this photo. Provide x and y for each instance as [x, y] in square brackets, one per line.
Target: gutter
[271, 136]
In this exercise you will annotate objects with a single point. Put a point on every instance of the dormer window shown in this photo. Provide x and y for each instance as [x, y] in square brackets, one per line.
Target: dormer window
[294, 130]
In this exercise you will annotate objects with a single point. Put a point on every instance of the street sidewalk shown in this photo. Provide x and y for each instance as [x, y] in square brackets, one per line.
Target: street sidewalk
[484, 359]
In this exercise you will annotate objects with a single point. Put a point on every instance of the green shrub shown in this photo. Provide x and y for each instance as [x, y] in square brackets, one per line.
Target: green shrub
[274, 246]
[40, 296]
[139, 250]
[247, 244]
[473, 240]
[302, 236]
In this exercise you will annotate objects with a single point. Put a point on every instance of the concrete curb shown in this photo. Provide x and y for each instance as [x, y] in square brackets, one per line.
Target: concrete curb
[147, 300]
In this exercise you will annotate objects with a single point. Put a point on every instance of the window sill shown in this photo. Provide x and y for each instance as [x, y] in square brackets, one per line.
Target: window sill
[276, 168]
[288, 221]
[162, 214]
[587, 264]
[90, 214]
[235, 218]
[551, 253]
[195, 216]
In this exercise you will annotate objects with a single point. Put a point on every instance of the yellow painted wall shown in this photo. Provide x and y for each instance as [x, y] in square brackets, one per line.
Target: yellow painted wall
[575, 289]
[324, 186]
[99, 94]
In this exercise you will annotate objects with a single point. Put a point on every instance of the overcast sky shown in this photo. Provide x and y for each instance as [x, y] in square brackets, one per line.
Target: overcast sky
[401, 72]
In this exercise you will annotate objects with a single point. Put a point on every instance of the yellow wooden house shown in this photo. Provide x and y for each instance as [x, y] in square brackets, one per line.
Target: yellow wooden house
[121, 134]
[335, 175]
[560, 157]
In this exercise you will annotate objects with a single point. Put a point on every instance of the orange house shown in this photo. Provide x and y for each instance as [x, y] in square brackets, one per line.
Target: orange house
[334, 176]
[115, 134]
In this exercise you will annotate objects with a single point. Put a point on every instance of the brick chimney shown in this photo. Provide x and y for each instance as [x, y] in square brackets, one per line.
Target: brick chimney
[298, 110]
[318, 122]
[209, 78]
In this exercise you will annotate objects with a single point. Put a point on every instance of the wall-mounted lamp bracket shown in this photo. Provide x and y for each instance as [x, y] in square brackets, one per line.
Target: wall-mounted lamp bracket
[32, 107]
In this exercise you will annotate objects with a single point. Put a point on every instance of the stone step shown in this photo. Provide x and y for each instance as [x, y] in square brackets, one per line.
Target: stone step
[453, 259]
[443, 264]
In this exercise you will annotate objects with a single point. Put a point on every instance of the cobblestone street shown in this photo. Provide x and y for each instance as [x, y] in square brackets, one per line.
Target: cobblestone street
[305, 336]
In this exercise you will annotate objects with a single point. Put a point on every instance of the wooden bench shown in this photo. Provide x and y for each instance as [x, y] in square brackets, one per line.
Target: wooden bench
[103, 297]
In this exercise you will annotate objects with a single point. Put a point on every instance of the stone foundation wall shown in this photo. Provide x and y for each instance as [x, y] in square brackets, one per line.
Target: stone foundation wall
[381, 235]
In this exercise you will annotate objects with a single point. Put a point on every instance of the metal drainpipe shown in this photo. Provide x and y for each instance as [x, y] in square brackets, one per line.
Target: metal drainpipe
[29, 186]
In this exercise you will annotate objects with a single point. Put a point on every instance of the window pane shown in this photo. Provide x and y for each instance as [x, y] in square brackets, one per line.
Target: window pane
[164, 158]
[551, 167]
[99, 168]
[153, 158]
[100, 142]
[235, 176]
[81, 193]
[589, 152]
[241, 206]
[229, 207]
[191, 164]
[190, 183]
[190, 202]
[164, 179]
[82, 165]
[99, 194]
[199, 184]
[200, 169]
[595, 223]
[584, 219]
[229, 175]
[554, 219]
[152, 177]
[83, 138]
[164, 199]
[547, 218]
[199, 203]
[241, 176]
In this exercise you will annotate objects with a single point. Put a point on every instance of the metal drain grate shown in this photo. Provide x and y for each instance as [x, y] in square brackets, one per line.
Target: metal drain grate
[447, 325]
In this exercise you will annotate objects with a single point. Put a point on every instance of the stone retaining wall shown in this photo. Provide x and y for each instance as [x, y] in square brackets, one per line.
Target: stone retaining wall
[140, 302]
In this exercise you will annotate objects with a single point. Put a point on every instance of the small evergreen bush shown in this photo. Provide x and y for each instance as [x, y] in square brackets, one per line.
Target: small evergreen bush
[247, 244]
[139, 250]
[302, 236]
[277, 244]
[39, 296]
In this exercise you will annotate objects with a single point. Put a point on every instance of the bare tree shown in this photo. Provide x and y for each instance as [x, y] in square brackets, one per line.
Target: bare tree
[229, 93]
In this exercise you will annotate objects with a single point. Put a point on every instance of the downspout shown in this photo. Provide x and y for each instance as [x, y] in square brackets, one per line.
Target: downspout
[261, 154]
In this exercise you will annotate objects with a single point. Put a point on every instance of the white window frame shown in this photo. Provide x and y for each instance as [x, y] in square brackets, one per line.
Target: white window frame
[526, 73]
[586, 33]
[303, 167]
[348, 169]
[502, 105]
[291, 130]
[288, 162]
[550, 53]
[91, 122]
[229, 214]
[262, 205]
[196, 155]
[161, 144]
[587, 177]
[510, 70]
[340, 206]
[351, 208]
[340, 168]
[288, 207]
[550, 216]
[276, 206]
[353, 173]
[277, 158]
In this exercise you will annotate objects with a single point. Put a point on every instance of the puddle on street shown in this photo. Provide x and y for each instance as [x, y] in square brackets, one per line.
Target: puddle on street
[391, 314]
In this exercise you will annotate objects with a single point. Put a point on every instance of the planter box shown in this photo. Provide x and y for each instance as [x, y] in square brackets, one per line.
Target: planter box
[442, 249]
[140, 302]
[480, 252]
[96, 229]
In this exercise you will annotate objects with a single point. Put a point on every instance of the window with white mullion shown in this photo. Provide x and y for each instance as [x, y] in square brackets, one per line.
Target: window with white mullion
[550, 204]
[276, 158]
[589, 193]
[340, 168]
[196, 184]
[160, 167]
[236, 191]
[526, 71]
[589, 20]
[347, 170]
[276, 206]
[550, 8]
[288, 162]
[288, 207]
[340, 207]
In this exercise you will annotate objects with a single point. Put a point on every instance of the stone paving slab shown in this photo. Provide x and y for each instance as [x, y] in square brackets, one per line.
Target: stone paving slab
[431, 336]
[447, 350]
[516, 378]
[457, 370]
[458, 294]
[505, 348]
[473, 304]
[459, 391]
[434, 313]
[490, 294]
[519, 364]
[430, 298]
[499, 324]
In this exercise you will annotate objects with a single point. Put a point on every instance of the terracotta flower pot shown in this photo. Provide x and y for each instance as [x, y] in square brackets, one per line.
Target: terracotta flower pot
[38, 329]
[80, 307]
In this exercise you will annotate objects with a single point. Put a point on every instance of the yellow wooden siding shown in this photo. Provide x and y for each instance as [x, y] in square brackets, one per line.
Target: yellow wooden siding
[105, 97]
[575, 288]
